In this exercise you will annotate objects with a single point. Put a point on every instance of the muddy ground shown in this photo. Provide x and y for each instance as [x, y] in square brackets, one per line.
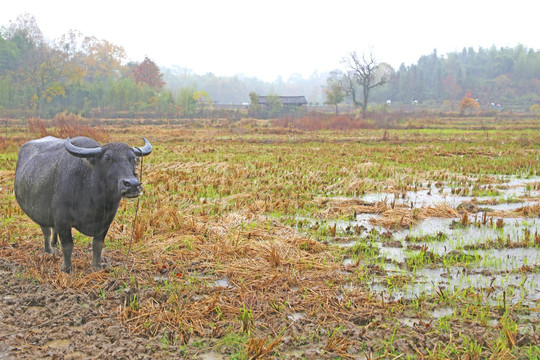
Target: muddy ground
[37, 321]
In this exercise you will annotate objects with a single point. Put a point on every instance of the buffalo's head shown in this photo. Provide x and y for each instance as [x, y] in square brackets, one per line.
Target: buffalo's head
[115, 165]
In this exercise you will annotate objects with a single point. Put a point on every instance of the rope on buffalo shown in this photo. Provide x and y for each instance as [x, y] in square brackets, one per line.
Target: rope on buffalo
[135, 217]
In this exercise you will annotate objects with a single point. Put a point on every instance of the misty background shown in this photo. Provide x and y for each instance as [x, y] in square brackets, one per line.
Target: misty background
[93, 77]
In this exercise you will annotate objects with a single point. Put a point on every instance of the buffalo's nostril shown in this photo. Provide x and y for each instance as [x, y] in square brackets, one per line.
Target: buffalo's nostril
[130, 183]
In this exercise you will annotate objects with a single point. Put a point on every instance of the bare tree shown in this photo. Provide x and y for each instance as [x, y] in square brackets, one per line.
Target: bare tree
[364, 73]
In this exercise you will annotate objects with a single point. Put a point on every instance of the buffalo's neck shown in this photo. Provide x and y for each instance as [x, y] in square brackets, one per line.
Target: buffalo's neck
[107, 202]
[96, 214]
[103, 199]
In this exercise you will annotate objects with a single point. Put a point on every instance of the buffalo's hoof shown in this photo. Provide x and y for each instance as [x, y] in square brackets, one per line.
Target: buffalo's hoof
[66, 269]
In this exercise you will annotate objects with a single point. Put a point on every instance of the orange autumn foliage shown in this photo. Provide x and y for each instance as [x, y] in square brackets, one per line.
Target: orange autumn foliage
[468, 106]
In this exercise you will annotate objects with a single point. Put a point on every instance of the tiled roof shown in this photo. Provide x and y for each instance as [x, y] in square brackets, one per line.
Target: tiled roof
[286, 100]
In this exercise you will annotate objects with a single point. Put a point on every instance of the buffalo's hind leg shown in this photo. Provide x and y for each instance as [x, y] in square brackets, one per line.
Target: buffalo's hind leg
[47, 231]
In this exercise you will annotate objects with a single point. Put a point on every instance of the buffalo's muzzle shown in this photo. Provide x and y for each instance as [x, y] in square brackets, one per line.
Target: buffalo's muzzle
[130, 188]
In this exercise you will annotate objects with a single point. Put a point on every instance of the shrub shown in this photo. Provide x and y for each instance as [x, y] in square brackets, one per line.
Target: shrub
[37, 126]
[468, 106]
[71, 125]
[315, 121]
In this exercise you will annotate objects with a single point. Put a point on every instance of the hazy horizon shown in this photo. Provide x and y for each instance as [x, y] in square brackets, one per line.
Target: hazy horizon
[284, 38]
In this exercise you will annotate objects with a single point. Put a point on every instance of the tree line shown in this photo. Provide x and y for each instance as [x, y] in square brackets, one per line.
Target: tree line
[88, 76]
[508, 76]
[494, 75]
[74, 73]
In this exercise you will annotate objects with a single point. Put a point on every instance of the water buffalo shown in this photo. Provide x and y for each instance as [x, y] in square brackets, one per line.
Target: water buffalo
[77, 183]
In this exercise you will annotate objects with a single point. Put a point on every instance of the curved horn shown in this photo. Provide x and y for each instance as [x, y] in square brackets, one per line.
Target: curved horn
[80, 151]
[145, 150]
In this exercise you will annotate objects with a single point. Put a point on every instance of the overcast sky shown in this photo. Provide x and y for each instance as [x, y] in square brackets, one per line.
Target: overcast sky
[271, 38]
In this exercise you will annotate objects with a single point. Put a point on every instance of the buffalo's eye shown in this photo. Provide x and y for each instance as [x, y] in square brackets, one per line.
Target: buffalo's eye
[107, 157]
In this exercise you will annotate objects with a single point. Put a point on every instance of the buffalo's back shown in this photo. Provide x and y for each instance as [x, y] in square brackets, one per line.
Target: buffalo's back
[35, 177]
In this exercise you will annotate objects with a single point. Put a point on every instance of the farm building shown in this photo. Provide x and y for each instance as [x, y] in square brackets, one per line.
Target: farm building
[286, 100]
[275, 106]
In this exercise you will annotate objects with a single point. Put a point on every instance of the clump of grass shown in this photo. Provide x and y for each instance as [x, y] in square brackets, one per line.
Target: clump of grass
[422, 258]
[463, 221]
[404, 217]
[366, 248]
[530, 211]
[338, 344]
[484, 191]
[440, 236]
[261, 348]
[246, 319]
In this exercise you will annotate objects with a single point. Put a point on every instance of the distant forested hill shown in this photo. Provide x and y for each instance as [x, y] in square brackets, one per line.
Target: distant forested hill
[498, 75]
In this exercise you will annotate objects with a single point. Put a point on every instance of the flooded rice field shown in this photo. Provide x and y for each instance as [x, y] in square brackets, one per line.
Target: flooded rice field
[254, 242]
[487, 244]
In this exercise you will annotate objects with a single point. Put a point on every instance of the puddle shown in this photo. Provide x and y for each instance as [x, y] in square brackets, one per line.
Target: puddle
[472, 240]
[59, 344]
[515, 288]
[212, 355]
[394, 254]
[507, 192]
[10, 299]
[222, 283]
[420, 198]
[509, 259]
[470, 234]
[293, 354]
[410, 322]
[442, 312]
[495, 261]
[494, 272]
[347, 244]
[360, 225]
[296, 316]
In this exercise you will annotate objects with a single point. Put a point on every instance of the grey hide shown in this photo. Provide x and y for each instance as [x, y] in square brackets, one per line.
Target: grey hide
[75, 183]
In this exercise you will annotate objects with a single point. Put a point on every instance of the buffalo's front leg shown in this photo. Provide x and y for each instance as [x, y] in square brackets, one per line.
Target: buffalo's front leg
[54, 239]
[97, 247]
[66, 240]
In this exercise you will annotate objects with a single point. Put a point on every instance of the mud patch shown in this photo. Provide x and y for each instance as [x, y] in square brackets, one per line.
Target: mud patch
[69, 325]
